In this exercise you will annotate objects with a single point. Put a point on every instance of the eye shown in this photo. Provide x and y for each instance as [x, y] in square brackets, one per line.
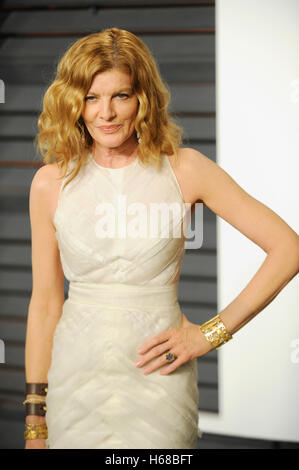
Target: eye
[88, 98]
[122, 94]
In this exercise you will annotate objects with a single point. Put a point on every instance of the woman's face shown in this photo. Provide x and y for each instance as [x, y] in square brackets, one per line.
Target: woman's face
[110, 109]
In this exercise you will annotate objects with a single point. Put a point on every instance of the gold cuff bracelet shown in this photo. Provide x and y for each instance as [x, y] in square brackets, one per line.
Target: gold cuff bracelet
[215, 332]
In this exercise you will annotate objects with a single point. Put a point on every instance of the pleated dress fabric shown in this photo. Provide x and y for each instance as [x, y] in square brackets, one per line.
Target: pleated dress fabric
[123, 290]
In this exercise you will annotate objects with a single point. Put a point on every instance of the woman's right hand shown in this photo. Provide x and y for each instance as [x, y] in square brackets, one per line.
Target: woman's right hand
[35, 444]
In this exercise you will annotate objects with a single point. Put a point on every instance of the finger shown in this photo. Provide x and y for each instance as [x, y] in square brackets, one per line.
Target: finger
[157, 365]
[161, 361]
[173, 366]
[161, 337]
[157, 351]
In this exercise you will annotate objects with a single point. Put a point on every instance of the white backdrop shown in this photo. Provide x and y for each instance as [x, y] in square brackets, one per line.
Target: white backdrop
[257, 96]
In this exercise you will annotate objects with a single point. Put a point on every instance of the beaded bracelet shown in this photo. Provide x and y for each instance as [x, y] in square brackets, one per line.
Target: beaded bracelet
[34, 400]
[215, 332]
[36, 405]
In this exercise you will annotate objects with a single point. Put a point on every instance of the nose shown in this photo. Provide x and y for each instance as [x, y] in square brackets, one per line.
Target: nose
[106, 111]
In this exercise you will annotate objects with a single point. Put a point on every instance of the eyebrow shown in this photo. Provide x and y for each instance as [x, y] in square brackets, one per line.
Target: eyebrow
[115, 93]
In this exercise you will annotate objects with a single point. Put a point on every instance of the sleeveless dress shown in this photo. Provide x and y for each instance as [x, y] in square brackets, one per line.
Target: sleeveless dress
[123, 290]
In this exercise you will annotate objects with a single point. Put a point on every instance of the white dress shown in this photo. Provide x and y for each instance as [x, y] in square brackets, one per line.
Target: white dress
[122, 291]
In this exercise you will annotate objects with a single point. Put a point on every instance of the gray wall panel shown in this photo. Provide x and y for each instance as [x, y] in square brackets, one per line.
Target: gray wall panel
[33, 61]
[87, 3]
[94, 20]
[192, 98]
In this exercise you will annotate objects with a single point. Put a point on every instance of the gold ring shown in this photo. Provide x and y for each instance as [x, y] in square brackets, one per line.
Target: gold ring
[170, 357]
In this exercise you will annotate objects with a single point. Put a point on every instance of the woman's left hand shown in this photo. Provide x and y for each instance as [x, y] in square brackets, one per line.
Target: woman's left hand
[186, 342]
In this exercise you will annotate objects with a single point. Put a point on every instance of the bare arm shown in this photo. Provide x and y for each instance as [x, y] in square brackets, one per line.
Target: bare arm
[47, 296]
[207, 182]
[218, 191]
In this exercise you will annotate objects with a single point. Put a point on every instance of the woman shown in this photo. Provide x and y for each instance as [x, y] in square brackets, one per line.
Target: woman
[116, 363]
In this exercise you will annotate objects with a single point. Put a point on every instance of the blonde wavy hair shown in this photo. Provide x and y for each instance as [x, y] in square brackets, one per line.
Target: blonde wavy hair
[62, 132]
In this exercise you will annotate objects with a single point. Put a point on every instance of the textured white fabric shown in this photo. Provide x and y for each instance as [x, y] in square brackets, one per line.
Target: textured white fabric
[122, 291]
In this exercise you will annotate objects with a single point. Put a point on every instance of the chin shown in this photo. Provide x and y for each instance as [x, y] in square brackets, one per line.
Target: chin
[111, 141]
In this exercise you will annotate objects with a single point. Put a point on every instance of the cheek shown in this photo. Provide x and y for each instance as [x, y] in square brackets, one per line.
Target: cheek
[86, 113]
[132, 112]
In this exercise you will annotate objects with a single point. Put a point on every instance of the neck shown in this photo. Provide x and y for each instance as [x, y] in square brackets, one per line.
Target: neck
[124, 153]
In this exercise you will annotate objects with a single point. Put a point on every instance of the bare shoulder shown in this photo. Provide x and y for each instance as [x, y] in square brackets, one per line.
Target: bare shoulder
[44, 189]
[194, 170]
[45, 177]
[188, 157]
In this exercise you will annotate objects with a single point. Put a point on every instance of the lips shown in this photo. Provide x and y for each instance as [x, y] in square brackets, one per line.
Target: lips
[109, 129]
